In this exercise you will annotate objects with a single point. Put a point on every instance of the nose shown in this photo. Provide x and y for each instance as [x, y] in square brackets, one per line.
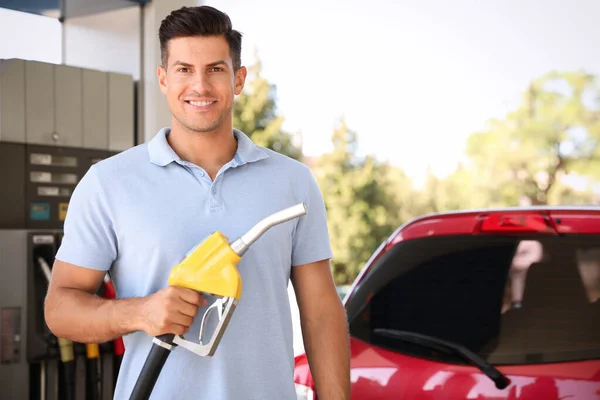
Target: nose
[201, 82]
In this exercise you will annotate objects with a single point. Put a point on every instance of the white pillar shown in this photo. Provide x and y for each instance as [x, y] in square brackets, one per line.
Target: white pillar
[125, 41]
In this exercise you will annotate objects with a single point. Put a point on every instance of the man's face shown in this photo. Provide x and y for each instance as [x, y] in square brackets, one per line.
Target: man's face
[200, 82]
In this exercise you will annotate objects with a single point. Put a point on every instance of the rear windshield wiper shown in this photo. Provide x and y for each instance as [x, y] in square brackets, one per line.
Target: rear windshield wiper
[499, 379]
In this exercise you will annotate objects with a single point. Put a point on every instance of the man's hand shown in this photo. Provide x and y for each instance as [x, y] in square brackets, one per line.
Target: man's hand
[73, 310]
[170, 310]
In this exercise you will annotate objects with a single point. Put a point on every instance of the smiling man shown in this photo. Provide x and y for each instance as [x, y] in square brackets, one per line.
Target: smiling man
[137, 214]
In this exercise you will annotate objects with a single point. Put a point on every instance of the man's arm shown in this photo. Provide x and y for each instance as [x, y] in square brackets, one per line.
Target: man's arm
[324, 329]
[74, 311]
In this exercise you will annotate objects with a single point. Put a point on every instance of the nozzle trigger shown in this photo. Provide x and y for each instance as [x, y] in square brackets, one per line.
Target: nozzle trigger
[208, 349]
[218, 305]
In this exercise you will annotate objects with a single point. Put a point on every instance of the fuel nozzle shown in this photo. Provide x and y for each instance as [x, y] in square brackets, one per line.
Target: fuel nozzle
[211, 268]
[241, 245]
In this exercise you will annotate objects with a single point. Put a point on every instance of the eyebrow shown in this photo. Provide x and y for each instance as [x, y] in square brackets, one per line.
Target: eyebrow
[212, 64]
[184, 64]
[220, 62]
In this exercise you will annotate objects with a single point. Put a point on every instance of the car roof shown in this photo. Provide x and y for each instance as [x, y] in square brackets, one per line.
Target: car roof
[455, 213]
[591, 208]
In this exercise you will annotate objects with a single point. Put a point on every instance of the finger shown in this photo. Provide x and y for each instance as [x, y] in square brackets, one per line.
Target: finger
[178, 318]
[191, 296]
[187, 309]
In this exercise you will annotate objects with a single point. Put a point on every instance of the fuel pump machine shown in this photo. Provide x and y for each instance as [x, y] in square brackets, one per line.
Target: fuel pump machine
[55, 122]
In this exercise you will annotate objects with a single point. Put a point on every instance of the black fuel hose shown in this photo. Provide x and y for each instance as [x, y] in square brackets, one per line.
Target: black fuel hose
[67, 358]
[65, 346]
[94, 378]
[152, 367]
[69, 369]
[117, 368]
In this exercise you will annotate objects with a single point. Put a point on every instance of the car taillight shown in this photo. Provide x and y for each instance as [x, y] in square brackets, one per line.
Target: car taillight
[515, 223]
[304, 392]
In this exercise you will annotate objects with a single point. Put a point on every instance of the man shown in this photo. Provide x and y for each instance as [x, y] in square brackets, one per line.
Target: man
[137, 214]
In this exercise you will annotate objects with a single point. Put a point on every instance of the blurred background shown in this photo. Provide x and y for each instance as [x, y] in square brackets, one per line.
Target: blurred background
[401, 108]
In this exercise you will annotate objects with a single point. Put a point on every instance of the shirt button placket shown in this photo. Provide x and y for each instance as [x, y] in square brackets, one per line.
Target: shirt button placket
[200, 176]
[215, 203]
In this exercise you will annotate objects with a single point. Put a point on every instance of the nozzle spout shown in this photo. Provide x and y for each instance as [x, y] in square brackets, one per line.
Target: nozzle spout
[241, 245]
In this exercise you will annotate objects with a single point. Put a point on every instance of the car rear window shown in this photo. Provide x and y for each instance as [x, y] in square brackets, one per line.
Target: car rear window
[510, 300]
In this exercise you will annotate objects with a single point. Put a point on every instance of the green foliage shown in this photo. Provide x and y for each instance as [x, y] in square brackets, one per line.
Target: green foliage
[554, 132]
[362, 207]
[254, 113]
[452, 193]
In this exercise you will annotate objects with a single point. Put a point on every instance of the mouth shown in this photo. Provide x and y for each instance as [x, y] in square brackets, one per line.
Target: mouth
[200, 105]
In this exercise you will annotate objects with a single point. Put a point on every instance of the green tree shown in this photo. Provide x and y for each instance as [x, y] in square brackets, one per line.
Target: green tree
[440, 195]
[361, 207]
[255, 113]
[555, 131]
[408, 202]
[457, 191]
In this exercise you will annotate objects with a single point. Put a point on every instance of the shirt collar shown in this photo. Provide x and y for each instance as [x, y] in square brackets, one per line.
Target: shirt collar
[247, 151]
[162, 154]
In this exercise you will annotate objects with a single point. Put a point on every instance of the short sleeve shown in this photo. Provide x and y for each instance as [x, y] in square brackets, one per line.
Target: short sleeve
[89, 237]
[311, 238]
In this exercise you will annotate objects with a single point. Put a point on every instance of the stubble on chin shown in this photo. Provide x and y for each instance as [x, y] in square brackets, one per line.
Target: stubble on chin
[204, 128]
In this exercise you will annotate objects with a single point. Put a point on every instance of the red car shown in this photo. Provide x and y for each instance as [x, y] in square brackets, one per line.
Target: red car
[492, 304]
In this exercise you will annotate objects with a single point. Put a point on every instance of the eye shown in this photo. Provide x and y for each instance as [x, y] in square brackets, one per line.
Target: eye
[183, 69]
[217, 69]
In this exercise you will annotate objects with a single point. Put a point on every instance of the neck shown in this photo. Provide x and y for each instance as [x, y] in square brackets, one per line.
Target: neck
[208, 150]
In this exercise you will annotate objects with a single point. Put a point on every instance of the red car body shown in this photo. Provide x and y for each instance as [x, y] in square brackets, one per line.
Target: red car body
[545, 339]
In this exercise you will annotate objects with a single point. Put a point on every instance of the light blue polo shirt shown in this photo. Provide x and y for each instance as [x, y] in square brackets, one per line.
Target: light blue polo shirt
[138, 213]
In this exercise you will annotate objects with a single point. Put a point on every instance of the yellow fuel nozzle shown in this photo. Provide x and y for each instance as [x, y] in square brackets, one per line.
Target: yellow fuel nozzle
[211, 267]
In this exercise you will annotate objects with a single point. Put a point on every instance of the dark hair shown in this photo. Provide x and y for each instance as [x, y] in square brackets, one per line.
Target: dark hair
[199, 21]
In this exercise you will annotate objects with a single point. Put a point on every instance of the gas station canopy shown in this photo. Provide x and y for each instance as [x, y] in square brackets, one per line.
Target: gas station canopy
[64, 9]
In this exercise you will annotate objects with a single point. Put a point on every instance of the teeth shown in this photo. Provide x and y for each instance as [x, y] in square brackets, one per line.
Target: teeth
[201, 103]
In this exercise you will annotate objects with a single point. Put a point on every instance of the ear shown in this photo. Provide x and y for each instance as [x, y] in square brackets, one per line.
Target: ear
[240, 80]
[162, 79]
